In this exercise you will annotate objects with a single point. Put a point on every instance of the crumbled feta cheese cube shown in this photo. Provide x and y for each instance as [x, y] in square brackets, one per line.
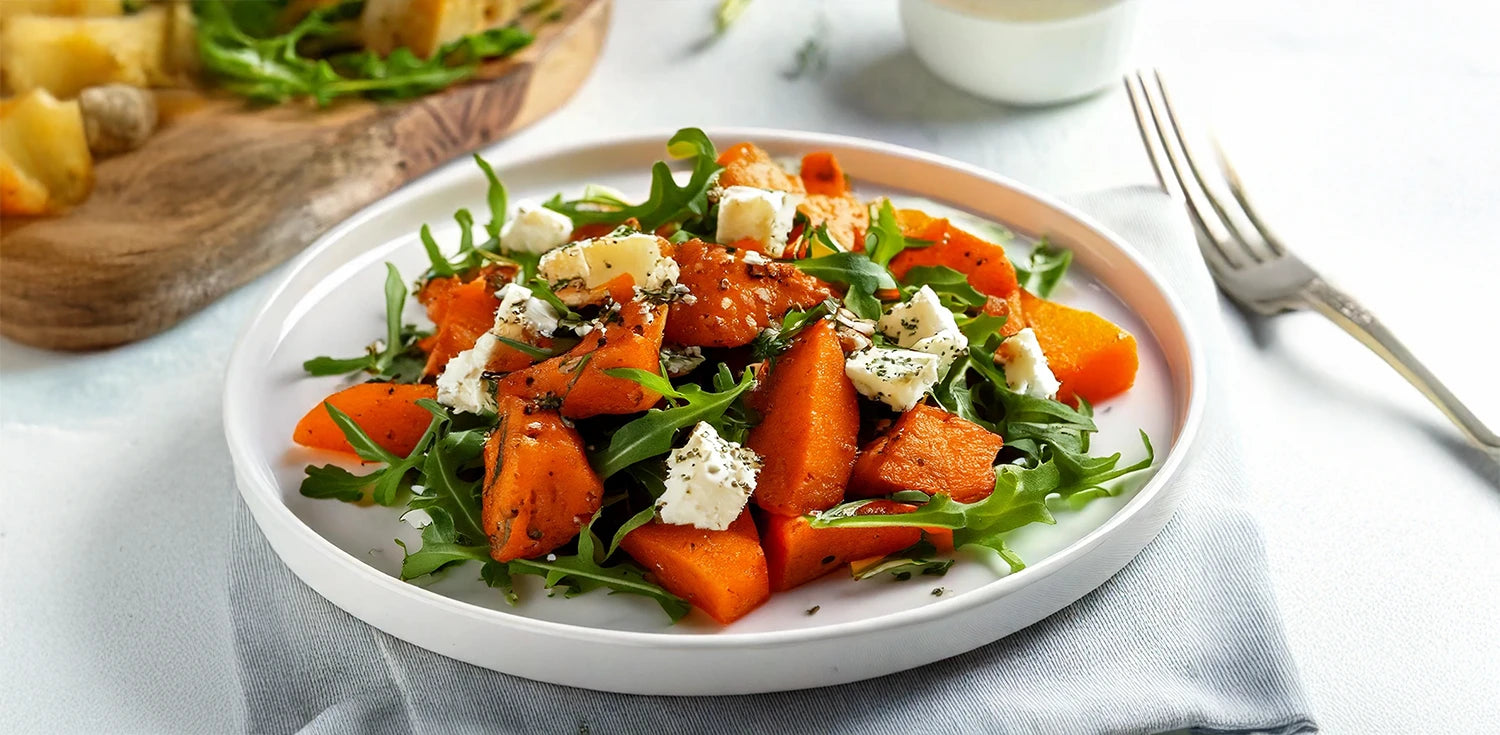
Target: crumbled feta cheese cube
[922, 316]
[754, 258]
[522, 315]
[925, 325]
[762, 215]
[1026, 369]
[535, 230]
[709, 480]
[679, 361]
[897, 378]
[593, 263]
[461, 386]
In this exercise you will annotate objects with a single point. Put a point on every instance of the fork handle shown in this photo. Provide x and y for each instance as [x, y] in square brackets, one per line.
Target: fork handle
[1343, 310]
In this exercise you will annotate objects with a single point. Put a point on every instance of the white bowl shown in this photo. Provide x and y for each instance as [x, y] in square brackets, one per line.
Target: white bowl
[329, 303]
[1023, 52]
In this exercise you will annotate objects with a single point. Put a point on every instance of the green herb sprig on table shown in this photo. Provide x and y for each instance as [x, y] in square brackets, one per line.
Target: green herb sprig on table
[241, 53]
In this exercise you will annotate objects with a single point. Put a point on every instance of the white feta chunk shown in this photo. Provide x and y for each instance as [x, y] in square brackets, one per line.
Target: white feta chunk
[922, 316]
[461, 386]
[925, 325]
[897, 378]
[522, 316]
[709, 481]
[947, 345]
[762, 215]
[1026, 369]
[535, 230]
[593, 263]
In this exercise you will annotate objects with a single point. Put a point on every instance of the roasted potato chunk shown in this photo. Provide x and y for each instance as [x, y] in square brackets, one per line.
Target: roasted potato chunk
[64, 55]
[424, 25]
[45, 164]
[16, 8]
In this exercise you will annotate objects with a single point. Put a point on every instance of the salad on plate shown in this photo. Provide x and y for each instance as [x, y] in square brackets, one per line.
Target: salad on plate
[750, 380]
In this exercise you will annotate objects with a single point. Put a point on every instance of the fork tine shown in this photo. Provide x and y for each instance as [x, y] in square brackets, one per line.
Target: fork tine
[1209, 225]
[1237, 189]
[1214, 200]
[1151, 143]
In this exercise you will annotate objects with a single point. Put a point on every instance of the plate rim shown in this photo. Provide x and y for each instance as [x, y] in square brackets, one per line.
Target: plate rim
[266, 509]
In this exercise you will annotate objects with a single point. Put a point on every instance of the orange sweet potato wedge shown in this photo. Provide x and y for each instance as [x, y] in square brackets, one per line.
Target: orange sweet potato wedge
[809, 425]
[797, 553]
[822, 174]
[388, 412]
[538, 487]
[467, 311]
[846, 217]
[988, 268]
[932, 451]
[746, 164]
[734, 300]
[577, 376]
[722, 573]
[1090, 355]
[1010, 308]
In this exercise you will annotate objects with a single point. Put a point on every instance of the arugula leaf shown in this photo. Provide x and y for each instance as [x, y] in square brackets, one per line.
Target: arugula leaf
[952, 286]
[495, 196]
[980, 327]
[532, 351]
[1045, 269]
[390, 481]
[332, 481]
[651, 435]
[773, 341]
[668, 202]
[238, 50]
[1019, 499]
[396, 359]
[457, 498]
[584, 571]
[438, 549]
[919, 558]
[864, 277]
[884, 240]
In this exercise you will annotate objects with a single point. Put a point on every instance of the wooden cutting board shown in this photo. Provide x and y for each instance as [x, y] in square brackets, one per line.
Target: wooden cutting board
[223, 192]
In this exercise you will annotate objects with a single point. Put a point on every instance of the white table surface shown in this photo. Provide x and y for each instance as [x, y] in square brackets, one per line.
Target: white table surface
[1368, 130]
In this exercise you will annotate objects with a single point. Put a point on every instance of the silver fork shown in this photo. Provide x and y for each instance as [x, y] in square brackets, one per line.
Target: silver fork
[1251, 265]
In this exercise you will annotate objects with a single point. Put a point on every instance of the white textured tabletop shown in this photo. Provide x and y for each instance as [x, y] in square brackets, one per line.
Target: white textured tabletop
[1366, 129]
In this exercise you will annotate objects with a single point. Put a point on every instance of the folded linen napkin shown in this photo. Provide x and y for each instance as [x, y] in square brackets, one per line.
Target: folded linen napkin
[1186, 637]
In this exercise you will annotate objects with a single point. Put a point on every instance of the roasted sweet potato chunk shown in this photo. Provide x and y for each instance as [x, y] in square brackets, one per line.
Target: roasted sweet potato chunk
[387, 412]
[733, 299]
[985, 263]
[932, 451]
[797, 553]
[577, 376]
[538, 487]
[722, 573]
[1010, 308]
[746, 164]
[846, 217]
[808, 428]
[1092, 356]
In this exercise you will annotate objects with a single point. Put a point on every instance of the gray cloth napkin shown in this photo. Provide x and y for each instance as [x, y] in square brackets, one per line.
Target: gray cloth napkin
[1186, 637]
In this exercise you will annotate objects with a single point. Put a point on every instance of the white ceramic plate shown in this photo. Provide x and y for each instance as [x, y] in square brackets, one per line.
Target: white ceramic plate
[330, 303]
